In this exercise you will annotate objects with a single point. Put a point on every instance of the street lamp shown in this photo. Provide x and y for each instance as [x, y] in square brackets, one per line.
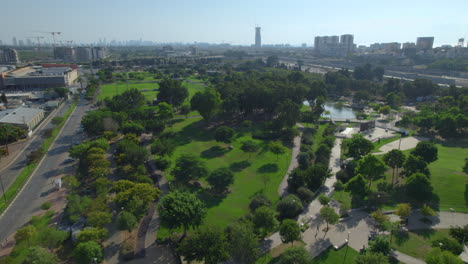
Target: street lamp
[347, 246]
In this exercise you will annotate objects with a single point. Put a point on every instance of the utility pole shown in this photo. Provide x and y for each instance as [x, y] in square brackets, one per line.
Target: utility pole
[3, 191]
[347, 246]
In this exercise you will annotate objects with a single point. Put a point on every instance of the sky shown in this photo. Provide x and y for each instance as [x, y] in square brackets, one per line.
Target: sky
[233, 21]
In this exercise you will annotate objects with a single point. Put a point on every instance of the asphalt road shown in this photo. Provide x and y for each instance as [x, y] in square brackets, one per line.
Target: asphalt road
[41, 184]
[8, 174]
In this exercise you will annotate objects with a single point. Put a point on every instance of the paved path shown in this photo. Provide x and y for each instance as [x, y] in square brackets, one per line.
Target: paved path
[283, 187]
[405, 144]
[405, 258]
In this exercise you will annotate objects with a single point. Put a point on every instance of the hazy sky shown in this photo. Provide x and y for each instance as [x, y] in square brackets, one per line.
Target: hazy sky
[216, 21]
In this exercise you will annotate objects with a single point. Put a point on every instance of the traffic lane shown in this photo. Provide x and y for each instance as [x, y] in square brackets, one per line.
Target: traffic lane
[41, 183]
[10, 173]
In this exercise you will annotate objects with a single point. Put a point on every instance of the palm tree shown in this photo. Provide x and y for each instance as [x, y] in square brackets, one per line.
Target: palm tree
[80, 80]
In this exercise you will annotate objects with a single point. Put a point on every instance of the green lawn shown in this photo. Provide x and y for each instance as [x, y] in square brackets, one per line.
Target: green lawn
[447, 178]
[262, 172]
[417, 244]
[112, 89]
[332, 256]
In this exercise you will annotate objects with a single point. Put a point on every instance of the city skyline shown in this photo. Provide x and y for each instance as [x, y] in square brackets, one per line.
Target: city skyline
[234, 23]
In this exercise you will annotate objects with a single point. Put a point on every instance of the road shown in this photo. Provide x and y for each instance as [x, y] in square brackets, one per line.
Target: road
[9, 173]
[40, 185]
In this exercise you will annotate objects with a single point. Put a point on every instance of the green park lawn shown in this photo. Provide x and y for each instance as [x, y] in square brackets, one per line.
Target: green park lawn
[112, 89]
[259, 172]
[447, 178]
[417, 243]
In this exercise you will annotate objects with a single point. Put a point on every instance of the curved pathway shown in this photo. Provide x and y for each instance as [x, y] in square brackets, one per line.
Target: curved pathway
[283, 187]
[402, 144]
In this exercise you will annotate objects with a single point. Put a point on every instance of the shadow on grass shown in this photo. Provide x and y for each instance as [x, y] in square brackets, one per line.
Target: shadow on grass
[196, 131]
[268, 168]
[213, 152]
[209, 199]
[401, 237]
[239, 166]
[425, 233]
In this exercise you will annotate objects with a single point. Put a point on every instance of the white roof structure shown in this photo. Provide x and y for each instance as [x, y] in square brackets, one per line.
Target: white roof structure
[19, 116]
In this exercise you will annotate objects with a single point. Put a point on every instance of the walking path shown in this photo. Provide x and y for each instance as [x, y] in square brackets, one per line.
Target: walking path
[283, 187]
[402, 144]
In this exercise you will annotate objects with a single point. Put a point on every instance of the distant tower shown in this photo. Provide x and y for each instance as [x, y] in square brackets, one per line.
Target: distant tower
[258, 37]
[460, 42]
[15, 43]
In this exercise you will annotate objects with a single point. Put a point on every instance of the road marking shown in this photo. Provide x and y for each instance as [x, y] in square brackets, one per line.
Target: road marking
[38, 165]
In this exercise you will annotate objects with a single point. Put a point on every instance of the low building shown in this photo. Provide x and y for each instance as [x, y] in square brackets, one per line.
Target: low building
[38, 77]
[26, 118]
[367, 125]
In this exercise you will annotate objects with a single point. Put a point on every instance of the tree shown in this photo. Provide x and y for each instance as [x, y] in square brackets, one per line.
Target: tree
[185, 110]
[379, 217]
[206, 103]
[371, 167]
[50, 237]
[243, 244]
[224, 134]
[189, 167]
[465, 167]
[220, 179]
[172, 92]
[87, 252]
[358, 146]
[448, 244]
[99, 219]
[288, 113]
[181, 209]
[272, 61]
[329, 215]
[395, 159]
[3, 98]
[249, 146]
[380, 245]
[208, 245]
[295, 255]
[414, 164]
[264, 220]
[357, 186]
[385, 110]
[25, 233]
[305, 194]
[38, 255]
[289, 231]
[371, 258]
[419, 187]
[426, 150]
[258, 201]
[437, 256]
[290, 206]
[163, 147]
[403, 210]
[324, 200]
[126, 221]
[276, 148]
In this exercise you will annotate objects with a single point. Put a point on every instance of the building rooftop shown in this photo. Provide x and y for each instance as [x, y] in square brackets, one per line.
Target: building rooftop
[38, 71]
[19, 116]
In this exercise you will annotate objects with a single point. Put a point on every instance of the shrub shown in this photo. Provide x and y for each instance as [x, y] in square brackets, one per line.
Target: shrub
[162, 163]
[448, 244]
[46, 205]
[339, 186]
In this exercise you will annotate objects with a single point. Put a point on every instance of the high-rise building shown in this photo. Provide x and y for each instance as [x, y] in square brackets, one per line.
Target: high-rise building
[333, 46]
[258, 37]
[1, 42]
[21, 42]
[64, 53]
[84, 54]
[29, 42]
[8, 55]
[15, 43]
[424, 43]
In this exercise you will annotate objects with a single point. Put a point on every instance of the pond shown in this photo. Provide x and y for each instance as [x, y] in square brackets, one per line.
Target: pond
[337, 110]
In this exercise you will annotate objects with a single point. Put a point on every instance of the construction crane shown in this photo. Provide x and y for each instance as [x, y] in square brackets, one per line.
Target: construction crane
[38, 41]
[53, 35]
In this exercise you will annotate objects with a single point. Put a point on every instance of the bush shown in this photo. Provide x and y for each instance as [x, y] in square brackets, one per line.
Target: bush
[126, 221]
[305, 194]
[162, 163]
[290, 206]
[307, 138]
[46, 205]
[57, 120]
[448, 244]
[304, 160]
[258, 201]
[339, 186]
[459, 233]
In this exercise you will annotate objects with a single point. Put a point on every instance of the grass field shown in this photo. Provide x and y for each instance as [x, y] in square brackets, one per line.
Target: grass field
[261, 172]
[417, 244]
[447, 178]
[112, 89]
